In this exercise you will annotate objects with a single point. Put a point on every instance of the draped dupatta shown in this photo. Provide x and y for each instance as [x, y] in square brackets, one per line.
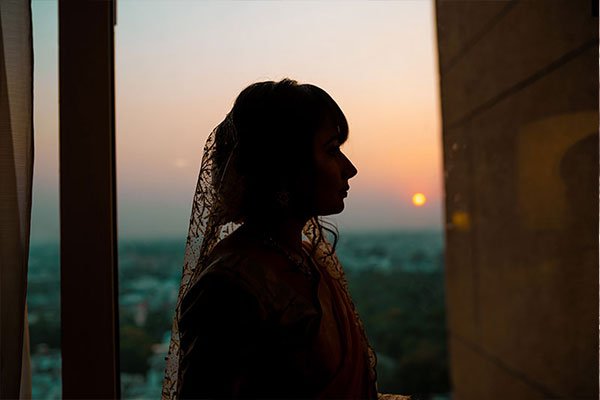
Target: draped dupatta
[356, 375]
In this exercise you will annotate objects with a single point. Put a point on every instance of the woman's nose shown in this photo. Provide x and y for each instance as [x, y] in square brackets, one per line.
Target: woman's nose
[350, 169]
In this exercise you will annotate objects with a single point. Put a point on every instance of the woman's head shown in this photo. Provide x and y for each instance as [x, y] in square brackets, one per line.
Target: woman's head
[287, 139]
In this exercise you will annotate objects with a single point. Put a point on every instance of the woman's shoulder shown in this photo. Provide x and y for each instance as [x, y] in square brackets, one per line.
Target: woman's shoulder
[245, 257]
[259, 270]
[219, 293]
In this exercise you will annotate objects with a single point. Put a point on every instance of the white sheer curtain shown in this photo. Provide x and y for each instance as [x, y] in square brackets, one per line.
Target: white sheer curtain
[16, 173]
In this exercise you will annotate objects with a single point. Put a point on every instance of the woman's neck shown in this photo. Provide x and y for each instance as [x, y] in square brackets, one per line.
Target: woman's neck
[287, 231]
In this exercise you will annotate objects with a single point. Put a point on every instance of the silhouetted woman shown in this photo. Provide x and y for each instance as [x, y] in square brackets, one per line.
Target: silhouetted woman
[264, 309]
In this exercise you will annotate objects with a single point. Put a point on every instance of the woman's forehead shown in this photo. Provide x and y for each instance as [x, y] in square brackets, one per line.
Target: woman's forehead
[327, 134]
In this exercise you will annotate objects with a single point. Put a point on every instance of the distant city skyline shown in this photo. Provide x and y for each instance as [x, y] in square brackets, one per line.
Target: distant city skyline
[179, 65]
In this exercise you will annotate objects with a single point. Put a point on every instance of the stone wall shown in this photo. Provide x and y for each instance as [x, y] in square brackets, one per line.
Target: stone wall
[519, 94]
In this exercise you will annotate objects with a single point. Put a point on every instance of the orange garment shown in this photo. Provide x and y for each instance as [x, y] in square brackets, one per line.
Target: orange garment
[256, 329]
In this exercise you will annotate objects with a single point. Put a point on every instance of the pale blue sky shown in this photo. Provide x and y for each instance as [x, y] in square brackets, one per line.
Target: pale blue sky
[180, 64]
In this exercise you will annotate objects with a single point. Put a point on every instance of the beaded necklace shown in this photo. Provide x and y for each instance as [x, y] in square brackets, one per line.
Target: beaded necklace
[299, 261]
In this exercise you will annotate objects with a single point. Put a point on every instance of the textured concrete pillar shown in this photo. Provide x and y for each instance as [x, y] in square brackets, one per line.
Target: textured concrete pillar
[519, 87]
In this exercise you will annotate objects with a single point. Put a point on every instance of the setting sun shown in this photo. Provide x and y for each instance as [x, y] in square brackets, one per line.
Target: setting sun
[419, 199]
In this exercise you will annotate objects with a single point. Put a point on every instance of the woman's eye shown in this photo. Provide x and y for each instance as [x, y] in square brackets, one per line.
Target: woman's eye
[334, 150]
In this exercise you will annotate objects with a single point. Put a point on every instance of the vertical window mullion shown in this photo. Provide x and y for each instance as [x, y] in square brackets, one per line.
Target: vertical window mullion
[89, 302]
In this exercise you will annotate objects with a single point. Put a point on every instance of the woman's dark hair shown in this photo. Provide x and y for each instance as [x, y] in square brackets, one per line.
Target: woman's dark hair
[276, 123]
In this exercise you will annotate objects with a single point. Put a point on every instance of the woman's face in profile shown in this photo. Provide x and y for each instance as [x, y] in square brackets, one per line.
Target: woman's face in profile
[333, 171]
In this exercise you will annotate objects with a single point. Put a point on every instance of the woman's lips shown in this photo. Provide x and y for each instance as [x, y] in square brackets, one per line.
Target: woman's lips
[344, 191]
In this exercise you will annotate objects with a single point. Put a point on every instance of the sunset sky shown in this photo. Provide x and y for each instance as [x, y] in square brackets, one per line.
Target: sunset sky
[180, 65]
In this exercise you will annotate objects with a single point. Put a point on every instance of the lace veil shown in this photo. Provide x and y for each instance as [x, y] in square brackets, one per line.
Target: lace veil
[216, 214]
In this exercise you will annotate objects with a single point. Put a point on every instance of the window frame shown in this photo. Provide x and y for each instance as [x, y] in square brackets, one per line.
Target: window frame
[88, 231]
